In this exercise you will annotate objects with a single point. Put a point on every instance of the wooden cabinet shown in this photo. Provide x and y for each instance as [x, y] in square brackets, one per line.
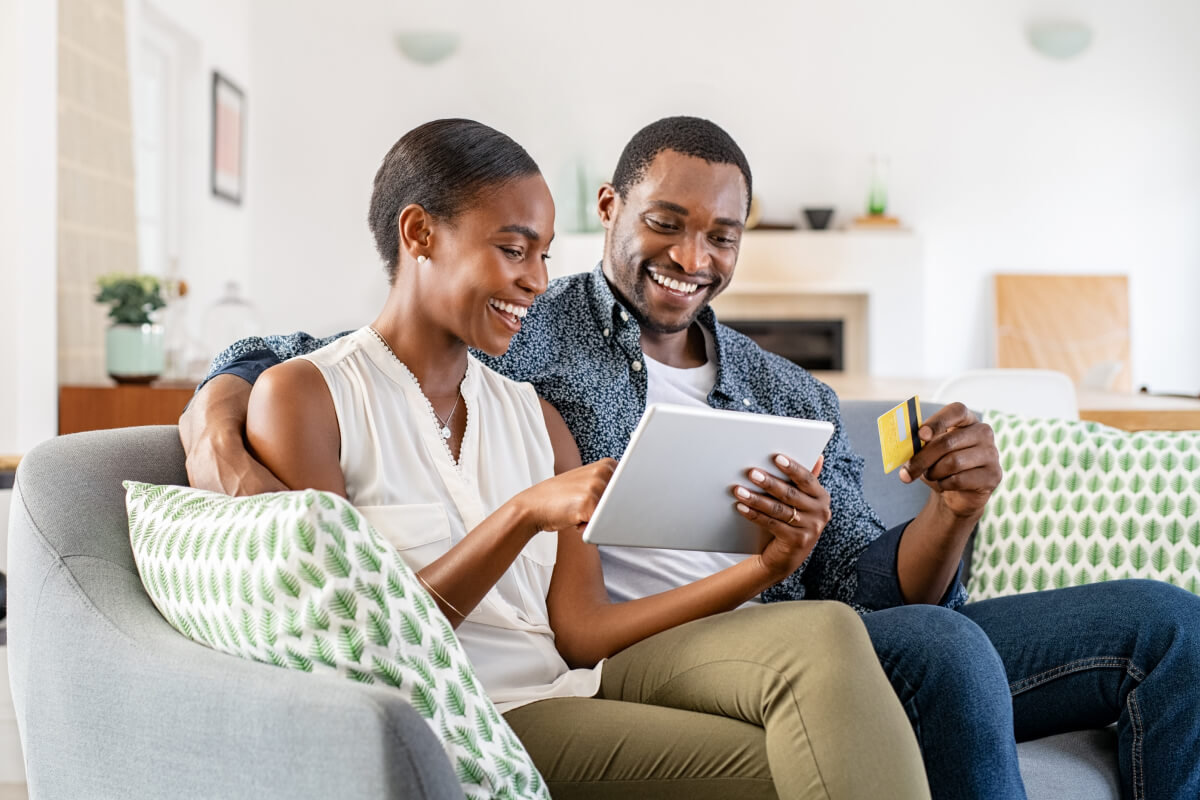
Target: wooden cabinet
[89, 408]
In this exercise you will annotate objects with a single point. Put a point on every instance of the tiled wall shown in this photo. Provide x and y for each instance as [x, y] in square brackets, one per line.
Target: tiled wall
[97, 227]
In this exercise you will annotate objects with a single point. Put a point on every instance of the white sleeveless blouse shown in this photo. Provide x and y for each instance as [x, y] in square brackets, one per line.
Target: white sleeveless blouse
[400, 475]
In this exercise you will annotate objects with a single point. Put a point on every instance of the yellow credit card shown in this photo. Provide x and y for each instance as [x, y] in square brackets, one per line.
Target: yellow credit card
[898, 440]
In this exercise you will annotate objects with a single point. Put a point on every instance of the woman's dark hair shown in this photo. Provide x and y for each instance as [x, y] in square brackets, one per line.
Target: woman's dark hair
[689, 136]
[444, 166]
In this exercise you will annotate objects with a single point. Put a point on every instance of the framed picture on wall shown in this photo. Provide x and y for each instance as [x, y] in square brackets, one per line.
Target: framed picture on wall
[228, 139]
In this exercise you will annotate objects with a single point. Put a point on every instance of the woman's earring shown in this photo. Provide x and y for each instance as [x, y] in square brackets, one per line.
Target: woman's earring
[422, 259]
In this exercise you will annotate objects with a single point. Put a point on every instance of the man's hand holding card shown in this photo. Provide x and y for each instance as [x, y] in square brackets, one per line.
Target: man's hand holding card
[953, 452]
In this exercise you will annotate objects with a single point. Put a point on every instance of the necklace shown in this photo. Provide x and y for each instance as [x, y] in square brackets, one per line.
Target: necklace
[446, 422]
[443, 425]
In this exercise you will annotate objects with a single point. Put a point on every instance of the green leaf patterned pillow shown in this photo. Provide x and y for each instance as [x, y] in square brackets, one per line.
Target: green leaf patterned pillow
[300, 580]
[1081, 502]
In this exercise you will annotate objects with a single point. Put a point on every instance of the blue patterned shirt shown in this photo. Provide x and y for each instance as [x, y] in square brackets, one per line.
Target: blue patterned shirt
[581, 349]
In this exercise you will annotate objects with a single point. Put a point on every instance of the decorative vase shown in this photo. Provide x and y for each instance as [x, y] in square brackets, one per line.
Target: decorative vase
[135, 353]
[877, 199]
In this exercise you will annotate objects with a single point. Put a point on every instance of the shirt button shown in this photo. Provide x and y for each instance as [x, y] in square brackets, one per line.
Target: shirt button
[636, 366]
[624, 316]
[607, 332]
[746, 402]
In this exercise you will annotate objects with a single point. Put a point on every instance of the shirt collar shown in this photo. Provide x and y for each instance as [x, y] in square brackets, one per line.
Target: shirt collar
[732, 370]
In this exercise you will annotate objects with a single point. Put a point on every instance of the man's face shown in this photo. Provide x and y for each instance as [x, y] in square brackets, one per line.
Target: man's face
[672, 242]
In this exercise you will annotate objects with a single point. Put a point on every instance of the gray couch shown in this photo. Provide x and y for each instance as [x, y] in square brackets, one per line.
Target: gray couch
[112, 702]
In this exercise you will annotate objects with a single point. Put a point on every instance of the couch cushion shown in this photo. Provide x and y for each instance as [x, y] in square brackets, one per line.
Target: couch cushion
[301, 580]
[1081, 502]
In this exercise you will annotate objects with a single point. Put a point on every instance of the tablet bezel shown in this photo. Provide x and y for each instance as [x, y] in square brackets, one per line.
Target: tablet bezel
[672, 488]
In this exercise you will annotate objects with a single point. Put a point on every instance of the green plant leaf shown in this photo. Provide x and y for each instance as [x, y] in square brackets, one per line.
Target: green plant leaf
[410, 629]
[337, 562]
[469, 771]
[373, 591]
[306, 536]
[377, 629]
[291, 623]
[395, 586]
[298, 660]
[321, 650]
[423, 700]
[367, 559]
[1159, 561]
[439, 655]
[264, 589]
[344, 603]
[350, 643]
[267, 627]
[288, 582]
[483, 727]
[1032, 552]
[336, 537]
[455, 702]
[315, 616]
[361, 677]
[387, 672]
[312, 574]
[248, 629]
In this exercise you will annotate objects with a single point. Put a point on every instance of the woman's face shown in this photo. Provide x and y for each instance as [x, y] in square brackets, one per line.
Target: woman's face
[487, 265]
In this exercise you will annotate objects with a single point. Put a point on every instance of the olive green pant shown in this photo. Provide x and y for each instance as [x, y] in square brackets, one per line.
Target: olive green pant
[785, 700]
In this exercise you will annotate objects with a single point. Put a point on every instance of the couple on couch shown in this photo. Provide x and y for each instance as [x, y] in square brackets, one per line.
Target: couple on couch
[669, 673]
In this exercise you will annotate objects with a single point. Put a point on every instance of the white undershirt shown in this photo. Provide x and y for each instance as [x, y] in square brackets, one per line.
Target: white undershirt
[633, 572]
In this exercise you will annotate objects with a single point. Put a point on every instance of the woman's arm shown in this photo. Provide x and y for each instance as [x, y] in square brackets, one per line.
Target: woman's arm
[292, 429]
[588, 626]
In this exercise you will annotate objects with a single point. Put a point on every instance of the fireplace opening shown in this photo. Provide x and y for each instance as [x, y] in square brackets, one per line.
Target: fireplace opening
[815, 344]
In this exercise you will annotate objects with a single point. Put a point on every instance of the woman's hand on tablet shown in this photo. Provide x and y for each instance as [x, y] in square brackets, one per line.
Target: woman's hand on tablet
[793, 511]
[568, 499]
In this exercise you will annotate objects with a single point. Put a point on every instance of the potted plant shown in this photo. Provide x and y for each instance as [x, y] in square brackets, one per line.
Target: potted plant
[134, 344]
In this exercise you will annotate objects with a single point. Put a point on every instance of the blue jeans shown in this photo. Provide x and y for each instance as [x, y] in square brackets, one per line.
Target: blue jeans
[976, 681]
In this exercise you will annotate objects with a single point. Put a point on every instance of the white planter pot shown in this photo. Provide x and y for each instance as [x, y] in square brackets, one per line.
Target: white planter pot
[135, 353]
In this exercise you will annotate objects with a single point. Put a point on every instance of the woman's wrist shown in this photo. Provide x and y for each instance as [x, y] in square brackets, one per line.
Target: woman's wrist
[521, 516]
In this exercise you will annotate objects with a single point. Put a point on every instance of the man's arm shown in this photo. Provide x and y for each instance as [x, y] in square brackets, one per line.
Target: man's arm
[212, 428]
[961, 465]
[857, 561]
[212, 431]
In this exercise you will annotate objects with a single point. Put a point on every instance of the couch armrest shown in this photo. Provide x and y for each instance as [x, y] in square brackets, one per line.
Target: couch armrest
[112, 702]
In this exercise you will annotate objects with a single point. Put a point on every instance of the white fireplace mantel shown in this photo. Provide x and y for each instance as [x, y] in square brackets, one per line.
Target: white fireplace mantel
[874, 280]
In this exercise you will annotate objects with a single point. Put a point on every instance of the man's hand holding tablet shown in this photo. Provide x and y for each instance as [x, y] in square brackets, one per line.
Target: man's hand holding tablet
[792, 511]
[672, 487]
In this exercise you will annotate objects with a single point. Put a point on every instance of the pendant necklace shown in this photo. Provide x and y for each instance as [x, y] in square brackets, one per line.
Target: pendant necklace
[443, 424]
[445, 431]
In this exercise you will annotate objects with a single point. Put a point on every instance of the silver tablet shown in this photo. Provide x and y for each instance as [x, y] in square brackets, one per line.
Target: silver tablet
[672, 487]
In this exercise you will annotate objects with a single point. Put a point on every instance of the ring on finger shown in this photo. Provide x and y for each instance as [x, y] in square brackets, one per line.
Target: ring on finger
[794, 518]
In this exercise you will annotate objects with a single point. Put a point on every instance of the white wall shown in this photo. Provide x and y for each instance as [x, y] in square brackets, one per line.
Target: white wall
[28, 163]
[214, 234]
[1001, 159]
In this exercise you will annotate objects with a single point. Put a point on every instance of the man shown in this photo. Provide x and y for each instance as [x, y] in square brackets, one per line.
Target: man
[639, 328]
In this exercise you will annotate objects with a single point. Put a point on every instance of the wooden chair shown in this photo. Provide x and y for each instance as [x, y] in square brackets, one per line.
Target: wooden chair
[1076, 324]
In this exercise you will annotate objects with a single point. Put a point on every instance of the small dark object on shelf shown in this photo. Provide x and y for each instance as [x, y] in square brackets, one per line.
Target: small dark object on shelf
[818, 218]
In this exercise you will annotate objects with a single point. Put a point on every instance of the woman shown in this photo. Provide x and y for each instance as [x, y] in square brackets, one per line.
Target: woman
[478, 483]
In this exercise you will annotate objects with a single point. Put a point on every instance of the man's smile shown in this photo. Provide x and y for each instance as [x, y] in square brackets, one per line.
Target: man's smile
[682, 286]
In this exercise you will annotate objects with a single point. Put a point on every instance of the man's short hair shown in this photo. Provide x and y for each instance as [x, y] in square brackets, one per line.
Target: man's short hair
[689, 136]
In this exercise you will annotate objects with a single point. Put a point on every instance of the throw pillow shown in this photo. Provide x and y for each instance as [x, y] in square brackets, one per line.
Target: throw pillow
[301, 580]
[1081, 502]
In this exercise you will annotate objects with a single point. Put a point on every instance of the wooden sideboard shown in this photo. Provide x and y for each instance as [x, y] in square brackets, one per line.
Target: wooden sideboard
[90, 408]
